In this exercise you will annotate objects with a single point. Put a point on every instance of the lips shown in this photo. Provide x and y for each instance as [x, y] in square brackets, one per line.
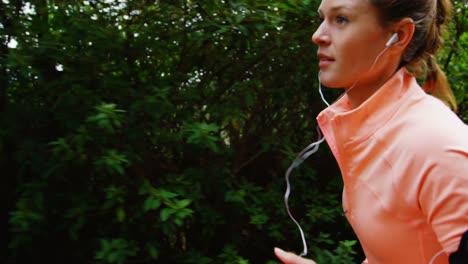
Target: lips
[324, 60]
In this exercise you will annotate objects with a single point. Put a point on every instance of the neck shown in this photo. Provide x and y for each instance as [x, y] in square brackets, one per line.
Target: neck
[362, 90]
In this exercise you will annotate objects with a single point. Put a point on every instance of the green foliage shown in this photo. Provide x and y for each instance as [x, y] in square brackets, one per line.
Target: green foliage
[116, 250]
[202, 134]
[343, 254]
[107, 117]
[173, 208]
[160, 131]
[230, 255]
[454, 57]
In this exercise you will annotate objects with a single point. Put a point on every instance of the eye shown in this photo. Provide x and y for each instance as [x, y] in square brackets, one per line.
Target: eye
[341, 20]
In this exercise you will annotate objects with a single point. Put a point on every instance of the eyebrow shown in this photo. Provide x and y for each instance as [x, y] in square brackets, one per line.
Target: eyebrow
[335, 8]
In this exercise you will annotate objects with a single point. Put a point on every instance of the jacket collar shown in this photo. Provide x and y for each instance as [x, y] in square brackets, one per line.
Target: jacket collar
[349, 125]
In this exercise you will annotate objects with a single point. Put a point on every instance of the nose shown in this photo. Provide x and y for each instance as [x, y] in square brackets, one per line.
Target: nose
[321, 37]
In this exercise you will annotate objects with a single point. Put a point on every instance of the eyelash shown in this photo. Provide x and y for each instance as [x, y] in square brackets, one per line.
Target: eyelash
[341, 20]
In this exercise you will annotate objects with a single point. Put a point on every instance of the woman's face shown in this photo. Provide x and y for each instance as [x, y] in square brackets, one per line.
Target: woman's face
[349, 40]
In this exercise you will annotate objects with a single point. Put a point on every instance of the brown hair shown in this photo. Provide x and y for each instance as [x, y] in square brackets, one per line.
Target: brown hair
[430, 19]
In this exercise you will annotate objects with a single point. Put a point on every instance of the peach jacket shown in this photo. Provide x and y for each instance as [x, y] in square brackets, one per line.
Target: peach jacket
[403, 156]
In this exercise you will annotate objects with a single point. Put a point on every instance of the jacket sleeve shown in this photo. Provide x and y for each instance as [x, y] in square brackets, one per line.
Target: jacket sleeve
[443, 195]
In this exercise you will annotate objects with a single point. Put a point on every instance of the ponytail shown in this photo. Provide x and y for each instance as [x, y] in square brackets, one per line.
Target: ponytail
[436, 83]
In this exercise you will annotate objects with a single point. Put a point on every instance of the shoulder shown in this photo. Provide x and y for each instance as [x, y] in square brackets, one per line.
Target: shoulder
[425, 123]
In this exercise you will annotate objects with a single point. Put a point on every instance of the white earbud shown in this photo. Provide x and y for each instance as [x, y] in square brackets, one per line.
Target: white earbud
[393, 39]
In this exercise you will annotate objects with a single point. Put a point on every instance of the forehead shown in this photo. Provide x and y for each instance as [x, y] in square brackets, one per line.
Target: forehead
[350, 5]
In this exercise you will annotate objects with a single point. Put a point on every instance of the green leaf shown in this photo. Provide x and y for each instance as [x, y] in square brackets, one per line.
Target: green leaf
[166, 213]
[182, 203]
[182, 213]
[151, 203]
[258, 219]
[121, 214]
[165, 194]
[349, 243]
[153, 251]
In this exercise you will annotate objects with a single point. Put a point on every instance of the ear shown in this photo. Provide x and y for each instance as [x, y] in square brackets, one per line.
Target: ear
[405, 31]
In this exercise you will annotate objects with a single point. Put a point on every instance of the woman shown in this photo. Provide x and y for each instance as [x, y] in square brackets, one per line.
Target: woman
[403, 154]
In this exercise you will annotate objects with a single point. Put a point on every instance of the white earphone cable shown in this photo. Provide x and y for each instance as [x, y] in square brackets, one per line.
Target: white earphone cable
[303, 155]
[309, 150]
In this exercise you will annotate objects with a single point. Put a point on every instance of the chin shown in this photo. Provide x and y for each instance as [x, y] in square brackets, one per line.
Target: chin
[331, 82]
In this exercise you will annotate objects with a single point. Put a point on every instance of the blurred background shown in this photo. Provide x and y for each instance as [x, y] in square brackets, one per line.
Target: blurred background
[136, 131]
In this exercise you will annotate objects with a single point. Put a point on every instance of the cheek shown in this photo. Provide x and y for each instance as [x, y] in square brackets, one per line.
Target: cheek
[354, 54]
[358, 53]
[351, 62]
[352, 51]
[361, 44]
